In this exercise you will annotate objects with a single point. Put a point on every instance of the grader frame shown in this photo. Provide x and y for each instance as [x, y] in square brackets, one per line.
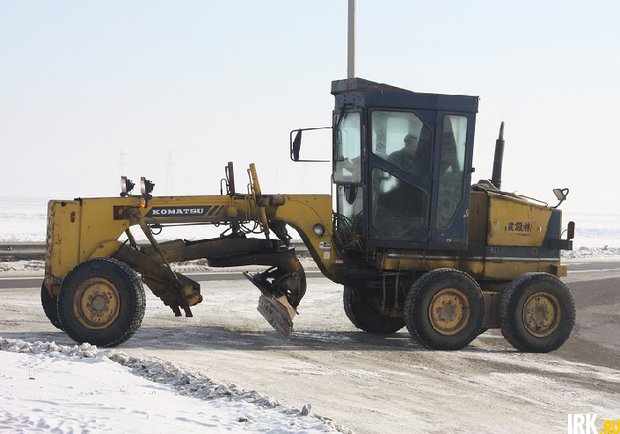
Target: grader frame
[491, 260]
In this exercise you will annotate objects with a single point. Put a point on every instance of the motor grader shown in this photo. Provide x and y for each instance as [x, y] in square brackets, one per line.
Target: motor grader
[411, 240]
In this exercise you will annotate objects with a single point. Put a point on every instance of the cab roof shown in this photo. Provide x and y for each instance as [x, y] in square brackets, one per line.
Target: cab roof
[365, 93]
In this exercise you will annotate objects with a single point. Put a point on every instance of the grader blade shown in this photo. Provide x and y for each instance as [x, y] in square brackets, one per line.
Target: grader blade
[273, 305]
[278, 313]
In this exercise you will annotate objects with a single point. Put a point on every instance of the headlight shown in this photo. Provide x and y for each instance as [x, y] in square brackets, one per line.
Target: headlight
[126, 186]
[146, 186]
[319, 229]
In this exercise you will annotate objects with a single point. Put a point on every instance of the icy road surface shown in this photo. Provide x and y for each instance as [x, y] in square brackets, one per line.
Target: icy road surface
[372, 384]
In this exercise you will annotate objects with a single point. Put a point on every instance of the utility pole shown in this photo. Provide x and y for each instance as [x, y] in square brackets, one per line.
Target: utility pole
[351, 41]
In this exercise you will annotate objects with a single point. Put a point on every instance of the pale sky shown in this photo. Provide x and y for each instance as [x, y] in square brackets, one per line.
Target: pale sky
[172, 90]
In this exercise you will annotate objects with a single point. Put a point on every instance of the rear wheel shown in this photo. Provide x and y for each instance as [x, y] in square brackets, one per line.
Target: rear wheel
[444, 309]
[364, 310]
[537, 313]
[49, 304]
[101, 301]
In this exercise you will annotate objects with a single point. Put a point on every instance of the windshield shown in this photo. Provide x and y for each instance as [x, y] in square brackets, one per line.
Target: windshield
[347, 148]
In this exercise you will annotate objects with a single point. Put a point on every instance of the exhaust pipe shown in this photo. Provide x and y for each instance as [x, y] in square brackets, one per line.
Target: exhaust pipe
[496, 179]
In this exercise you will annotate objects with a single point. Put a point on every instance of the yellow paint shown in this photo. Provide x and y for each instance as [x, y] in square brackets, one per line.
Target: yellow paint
[82, 229]
[106, 249]
[449, 311]
[63, 240]
[392, 261]
[557, 270]
[302, 212]
[96, 303]
[85, 229]
[98, 225]
[507, 270]
[541, 314]
[516, 221]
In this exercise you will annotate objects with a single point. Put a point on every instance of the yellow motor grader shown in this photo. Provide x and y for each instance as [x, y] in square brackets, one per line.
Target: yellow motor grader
[411, 240]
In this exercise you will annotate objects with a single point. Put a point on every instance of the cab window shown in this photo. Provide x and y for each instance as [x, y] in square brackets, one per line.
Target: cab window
[399, 209]
[347, 149]
[404, 141]
[451, 171]
[399, 200]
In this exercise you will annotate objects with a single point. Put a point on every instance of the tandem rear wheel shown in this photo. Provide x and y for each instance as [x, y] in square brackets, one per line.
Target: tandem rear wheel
[102, 302]
[444, 310]
[537, 313]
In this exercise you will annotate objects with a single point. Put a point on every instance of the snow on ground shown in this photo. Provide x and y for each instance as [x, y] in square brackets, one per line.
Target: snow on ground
[65, 389]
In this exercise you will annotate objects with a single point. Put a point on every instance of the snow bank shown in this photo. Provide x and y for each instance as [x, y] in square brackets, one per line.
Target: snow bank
[592, 252]
[50, 387]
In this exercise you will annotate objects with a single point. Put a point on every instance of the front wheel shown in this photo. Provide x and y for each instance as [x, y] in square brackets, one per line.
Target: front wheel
[537, 313]
[363, 308]
[444, 310]
[102, 302]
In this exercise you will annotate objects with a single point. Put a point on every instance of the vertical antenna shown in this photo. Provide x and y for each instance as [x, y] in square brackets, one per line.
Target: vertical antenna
[351, 41]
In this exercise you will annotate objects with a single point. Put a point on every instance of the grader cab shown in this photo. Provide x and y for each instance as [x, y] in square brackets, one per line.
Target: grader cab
[412, 241]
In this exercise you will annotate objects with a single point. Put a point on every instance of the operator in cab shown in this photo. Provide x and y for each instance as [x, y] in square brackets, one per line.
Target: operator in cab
[414, 157]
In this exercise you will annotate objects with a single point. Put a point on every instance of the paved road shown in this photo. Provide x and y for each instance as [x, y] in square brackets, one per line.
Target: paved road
[595, 287]
[377, 384]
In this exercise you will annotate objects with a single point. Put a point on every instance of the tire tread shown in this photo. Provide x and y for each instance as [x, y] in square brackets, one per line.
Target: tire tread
[137, 297]
[413, 299]
[509, 302]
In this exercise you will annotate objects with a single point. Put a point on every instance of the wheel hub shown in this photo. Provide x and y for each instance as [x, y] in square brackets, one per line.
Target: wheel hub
[96, 303]
[449, 311]
[541, 314]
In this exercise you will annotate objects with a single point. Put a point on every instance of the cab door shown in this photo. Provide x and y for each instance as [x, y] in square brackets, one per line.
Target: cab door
[400, 177]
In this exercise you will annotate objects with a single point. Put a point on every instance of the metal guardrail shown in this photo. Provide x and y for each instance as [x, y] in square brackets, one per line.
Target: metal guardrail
[33, 250]
[22, 250]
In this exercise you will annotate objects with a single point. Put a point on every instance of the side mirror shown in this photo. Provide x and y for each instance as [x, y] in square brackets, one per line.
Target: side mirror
[295, 145]
[295, 141]
[560, 194]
